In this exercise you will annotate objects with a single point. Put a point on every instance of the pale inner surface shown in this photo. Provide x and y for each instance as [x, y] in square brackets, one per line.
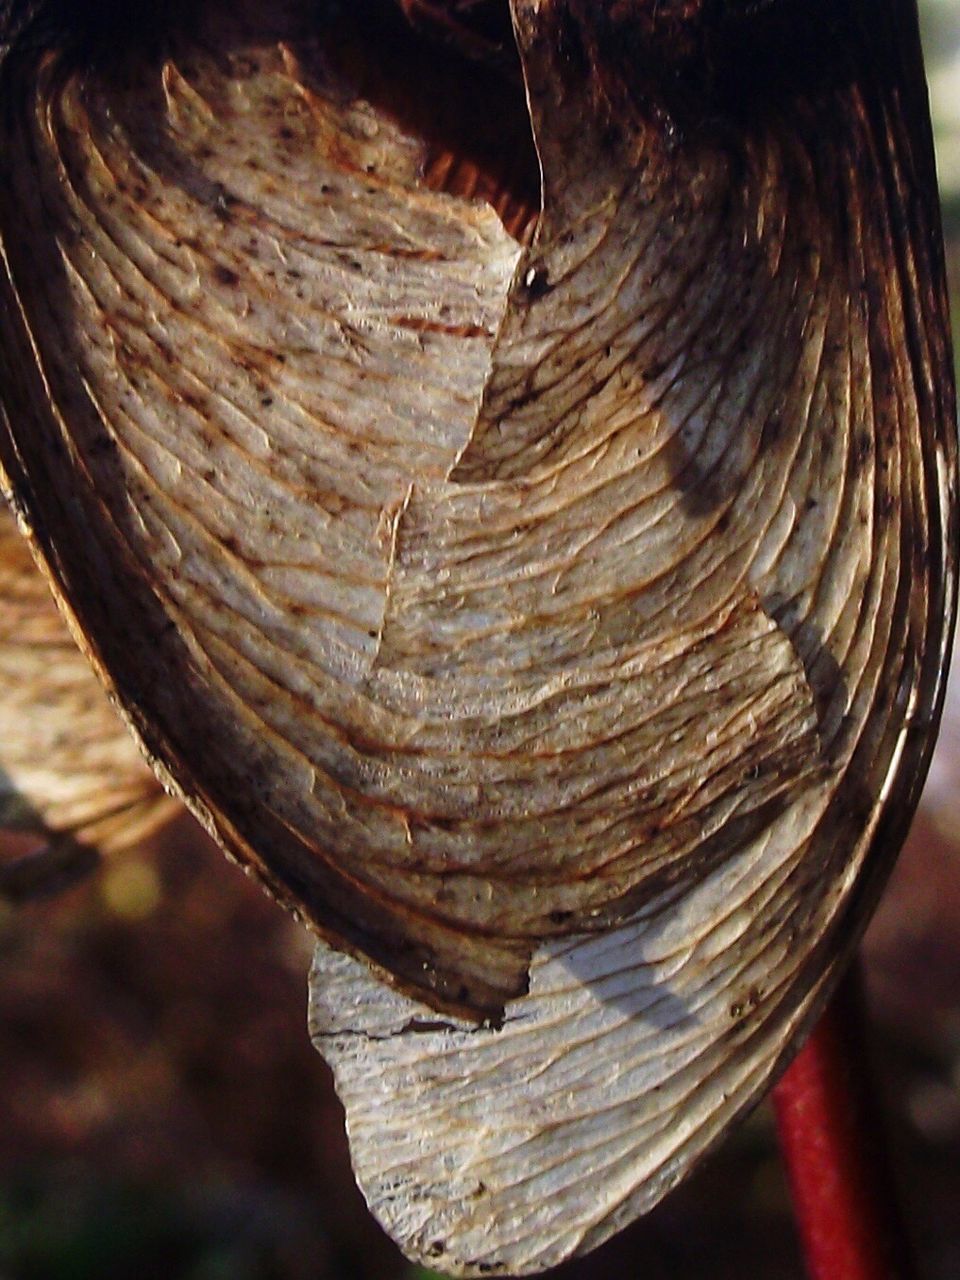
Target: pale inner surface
[512, 704]
[768, 359]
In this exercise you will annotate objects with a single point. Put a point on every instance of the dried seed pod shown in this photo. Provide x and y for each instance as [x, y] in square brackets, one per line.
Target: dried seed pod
[551, 608]
[71, 778]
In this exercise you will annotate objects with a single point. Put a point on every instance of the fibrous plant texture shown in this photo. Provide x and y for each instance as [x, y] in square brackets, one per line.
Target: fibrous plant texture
[501, 461]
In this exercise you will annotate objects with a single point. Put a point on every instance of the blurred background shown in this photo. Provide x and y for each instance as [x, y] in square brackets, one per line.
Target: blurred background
[164, 1114]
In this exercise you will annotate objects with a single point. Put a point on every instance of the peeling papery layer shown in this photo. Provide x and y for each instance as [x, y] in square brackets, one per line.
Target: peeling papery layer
[505, 1150]
[532, 598]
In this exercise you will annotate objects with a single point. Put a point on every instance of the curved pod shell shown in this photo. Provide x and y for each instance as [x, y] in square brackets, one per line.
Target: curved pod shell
[551, 610]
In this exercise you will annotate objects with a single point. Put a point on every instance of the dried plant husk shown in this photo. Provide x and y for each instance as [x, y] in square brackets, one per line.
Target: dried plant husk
[73, 784]
[550, 608]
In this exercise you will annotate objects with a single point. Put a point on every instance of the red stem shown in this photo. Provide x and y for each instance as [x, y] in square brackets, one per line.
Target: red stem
[832, 1146]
